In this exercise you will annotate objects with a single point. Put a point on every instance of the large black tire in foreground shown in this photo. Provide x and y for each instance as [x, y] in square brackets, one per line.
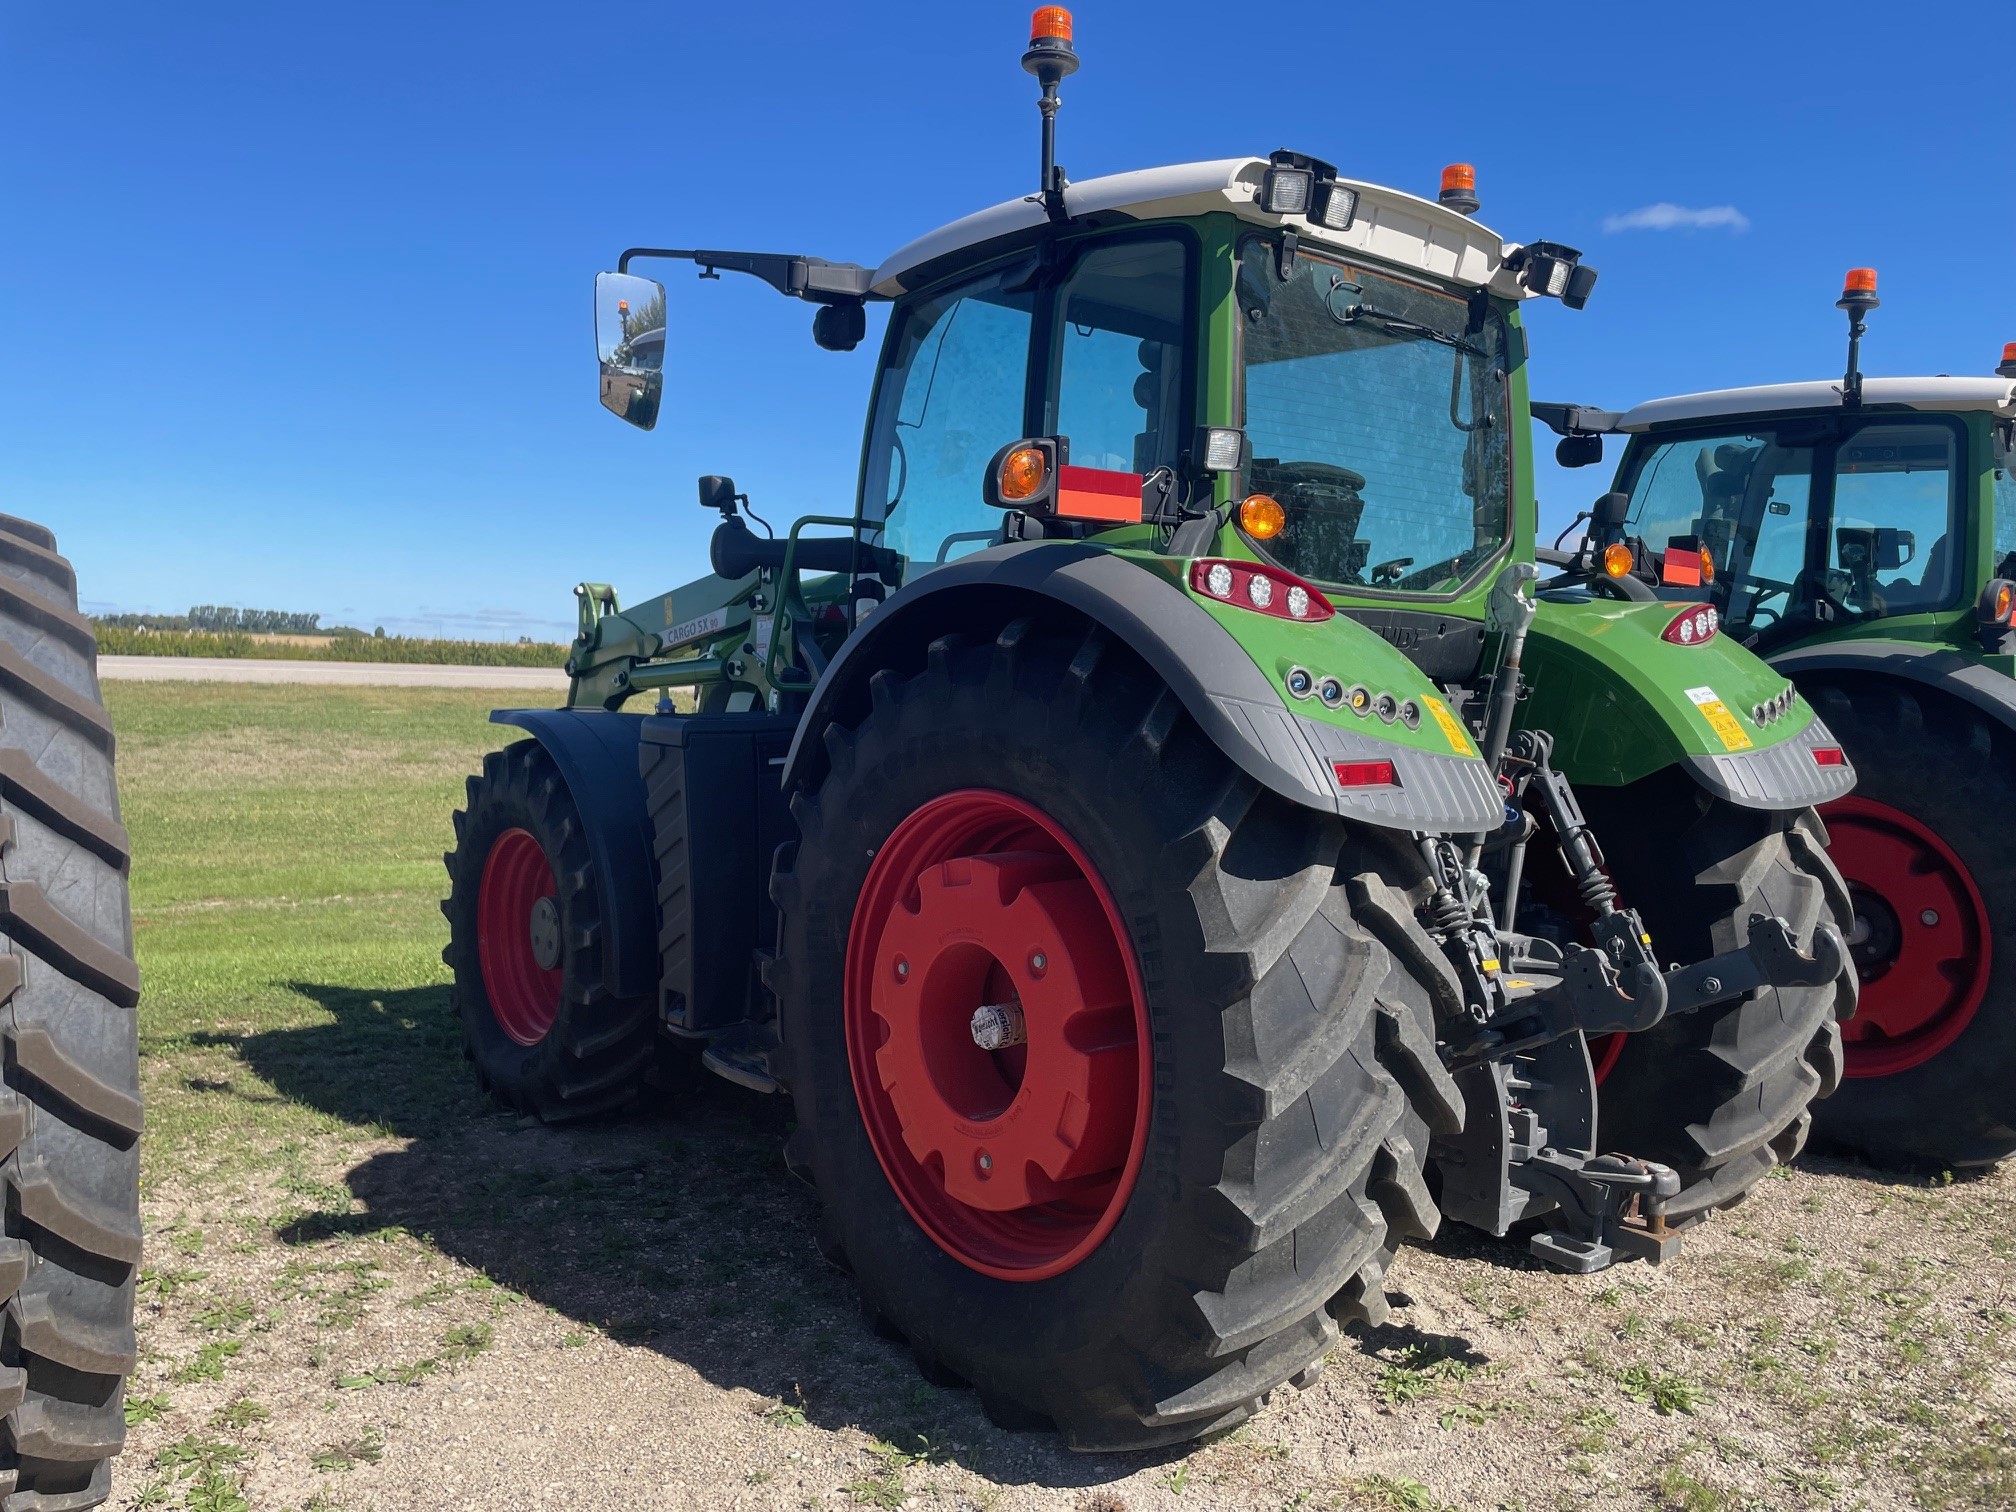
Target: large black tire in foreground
[1724, 1093]
[70, 1111]
[1134, 1226]
[1923, 842]
[525, 922]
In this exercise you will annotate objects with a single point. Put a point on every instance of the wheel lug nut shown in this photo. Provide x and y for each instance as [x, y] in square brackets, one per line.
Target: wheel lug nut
[986, 1161]
[902, 970]
[1929, 918]
[1039, 962]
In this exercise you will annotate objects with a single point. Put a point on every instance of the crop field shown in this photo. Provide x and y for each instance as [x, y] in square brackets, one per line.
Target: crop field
[366, 1289]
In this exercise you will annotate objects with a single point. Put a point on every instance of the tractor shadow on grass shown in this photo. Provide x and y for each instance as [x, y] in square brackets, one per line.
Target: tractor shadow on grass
[676, 1228]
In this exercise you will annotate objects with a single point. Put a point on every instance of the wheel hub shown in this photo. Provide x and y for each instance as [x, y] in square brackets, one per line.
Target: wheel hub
[545, 933]
[1920, 942]
[995, 1031]
[518, 936]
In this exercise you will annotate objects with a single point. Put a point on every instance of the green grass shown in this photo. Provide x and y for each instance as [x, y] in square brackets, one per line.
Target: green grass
[286, 874]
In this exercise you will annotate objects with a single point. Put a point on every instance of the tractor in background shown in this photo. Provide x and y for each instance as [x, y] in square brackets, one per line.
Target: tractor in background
[1113, 832]
[1865, 531]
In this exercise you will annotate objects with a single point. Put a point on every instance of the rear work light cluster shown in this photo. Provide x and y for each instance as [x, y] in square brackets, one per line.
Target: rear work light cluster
[1692, 626]
[1774, 709]
[1267, 590]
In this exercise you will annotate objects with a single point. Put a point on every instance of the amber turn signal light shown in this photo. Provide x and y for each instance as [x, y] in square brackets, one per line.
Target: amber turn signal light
[1997, 602]
[1617, 559]
[1261, 517]
[1022, 473]
[1707, 565]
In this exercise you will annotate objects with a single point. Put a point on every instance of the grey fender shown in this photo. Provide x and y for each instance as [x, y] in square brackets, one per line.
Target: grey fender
[1233, 702]
[596, 752]
[1951, 672]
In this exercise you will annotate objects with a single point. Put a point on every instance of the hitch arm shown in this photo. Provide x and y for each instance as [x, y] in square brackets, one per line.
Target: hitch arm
[1771, 959]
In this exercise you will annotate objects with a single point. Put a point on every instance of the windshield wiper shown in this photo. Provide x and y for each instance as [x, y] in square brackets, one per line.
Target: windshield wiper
[1403, 325]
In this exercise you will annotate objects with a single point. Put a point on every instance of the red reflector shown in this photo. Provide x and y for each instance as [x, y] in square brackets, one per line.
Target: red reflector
[1357, 774]
[1829, 756]
[1093, 493]
[1680, 569]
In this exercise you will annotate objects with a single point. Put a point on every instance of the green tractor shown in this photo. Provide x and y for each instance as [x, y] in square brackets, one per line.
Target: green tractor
[1866, 531]
[1112, 833]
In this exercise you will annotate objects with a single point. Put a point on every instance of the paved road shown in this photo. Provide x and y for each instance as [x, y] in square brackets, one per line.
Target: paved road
[328, 673]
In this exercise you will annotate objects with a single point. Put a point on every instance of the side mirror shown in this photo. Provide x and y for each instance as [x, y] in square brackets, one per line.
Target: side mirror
[1579, 451]
[1894, 548]
[630, 345]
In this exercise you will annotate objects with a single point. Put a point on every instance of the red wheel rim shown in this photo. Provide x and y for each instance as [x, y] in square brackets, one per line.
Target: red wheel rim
[1016, 1161]
[1921, 940]
[524, 995]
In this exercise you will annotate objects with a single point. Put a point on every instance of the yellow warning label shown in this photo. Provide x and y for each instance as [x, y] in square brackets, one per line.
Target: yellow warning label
[1458, 737]
[1719, 719]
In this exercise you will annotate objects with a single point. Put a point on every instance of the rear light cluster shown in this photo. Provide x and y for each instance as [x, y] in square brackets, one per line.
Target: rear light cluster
[1359, 699]
[1774, 709]
[1693, 626]
[1267, 590]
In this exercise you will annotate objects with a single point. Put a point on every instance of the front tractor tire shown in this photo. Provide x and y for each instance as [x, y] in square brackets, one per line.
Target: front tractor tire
[1144, 1206]
[70, 1110]
[525, 922]
[1724, 1093]
[1922, 841]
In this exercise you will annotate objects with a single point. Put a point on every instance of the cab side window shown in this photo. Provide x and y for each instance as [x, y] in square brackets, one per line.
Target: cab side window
[1893, 502]
[1117, 349]
[952, 393]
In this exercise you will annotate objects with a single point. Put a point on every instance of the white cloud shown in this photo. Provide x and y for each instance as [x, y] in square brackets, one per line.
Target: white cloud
[1668, 217]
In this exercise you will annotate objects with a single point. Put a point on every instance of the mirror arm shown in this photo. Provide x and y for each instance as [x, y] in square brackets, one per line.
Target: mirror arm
[1575, 419]
[809, 278]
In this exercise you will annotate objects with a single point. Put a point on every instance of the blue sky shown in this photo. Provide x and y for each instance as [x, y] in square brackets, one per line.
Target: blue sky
[295, 300]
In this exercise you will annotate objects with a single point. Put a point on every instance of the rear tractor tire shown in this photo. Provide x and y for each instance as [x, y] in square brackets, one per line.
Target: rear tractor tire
[1724, 1093]
[1931, 1056]
[1135, 1223]
[525, 917]
[70, 1110]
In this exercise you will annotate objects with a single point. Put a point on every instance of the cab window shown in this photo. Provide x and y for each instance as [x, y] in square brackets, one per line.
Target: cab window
[1117, 346]
[2005, 500]
[1812, 519]
[952, 392]
[1892, 550]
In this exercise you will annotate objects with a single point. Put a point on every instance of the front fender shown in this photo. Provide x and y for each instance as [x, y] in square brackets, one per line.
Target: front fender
[1623, 703]
[1219, 679]
[597, 754]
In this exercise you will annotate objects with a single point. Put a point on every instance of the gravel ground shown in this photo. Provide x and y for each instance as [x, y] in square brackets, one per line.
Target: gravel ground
[633, 1316]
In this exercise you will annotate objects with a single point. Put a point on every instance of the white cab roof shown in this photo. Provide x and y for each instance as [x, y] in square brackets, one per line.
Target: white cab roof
[1998, 394]
[1410, 233]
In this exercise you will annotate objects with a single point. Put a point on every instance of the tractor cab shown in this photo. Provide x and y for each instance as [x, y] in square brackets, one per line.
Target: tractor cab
[1814, 508]
[1311, 373]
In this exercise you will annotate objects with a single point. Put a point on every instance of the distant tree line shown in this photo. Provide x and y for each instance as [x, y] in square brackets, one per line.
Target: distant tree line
[223, 619]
